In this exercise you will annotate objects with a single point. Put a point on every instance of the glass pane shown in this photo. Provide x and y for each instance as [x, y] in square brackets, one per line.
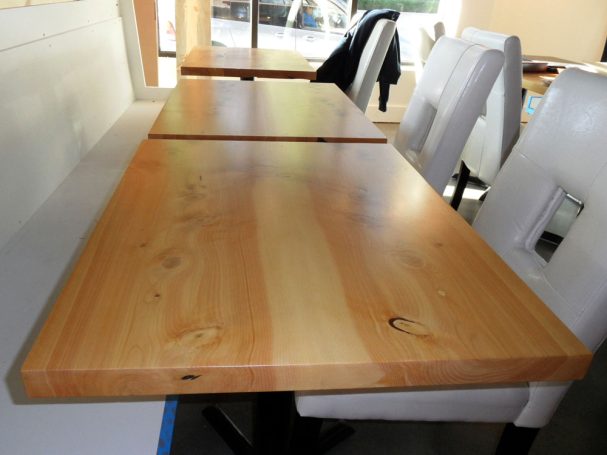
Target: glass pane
[231, 23]
[311, 27]
[415, 14]
[166, 26]
[403, 6]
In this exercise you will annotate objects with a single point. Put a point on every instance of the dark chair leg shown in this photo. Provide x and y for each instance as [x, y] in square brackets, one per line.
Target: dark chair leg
[516, 440]
[462, 181]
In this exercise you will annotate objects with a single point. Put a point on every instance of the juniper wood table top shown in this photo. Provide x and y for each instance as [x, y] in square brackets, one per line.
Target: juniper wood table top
[262, 111]
[248, 266]
[247, 63]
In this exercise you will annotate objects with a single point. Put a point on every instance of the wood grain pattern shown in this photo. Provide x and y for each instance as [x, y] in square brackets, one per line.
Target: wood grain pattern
[237, 266]
[262, 111]
[538, 82]
[243, 62]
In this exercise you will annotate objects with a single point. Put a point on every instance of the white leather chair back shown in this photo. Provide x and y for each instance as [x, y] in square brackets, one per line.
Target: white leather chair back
[426, 41]
[425, 45]
[371, 61]
[562, 151]
[497, 130]
[445, 106]
[439, 30]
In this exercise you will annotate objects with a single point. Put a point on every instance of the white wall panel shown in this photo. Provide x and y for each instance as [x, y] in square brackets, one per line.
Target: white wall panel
[31, 23]
[58, 96]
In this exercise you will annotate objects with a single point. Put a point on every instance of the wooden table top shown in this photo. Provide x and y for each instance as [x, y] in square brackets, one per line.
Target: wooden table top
[234, 266]
[538, 82]
[245, 62]
[262, 111]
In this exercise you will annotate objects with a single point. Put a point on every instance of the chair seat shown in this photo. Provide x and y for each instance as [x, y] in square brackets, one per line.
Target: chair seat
[491, 404]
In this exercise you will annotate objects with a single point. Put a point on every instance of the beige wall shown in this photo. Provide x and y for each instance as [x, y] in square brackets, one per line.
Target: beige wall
[568, 29]
[472, 13]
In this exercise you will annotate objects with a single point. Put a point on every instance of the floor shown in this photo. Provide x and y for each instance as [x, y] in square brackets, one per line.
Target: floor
[578, 426]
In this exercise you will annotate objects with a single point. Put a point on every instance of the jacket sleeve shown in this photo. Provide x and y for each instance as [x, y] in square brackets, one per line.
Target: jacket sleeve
[390, 72]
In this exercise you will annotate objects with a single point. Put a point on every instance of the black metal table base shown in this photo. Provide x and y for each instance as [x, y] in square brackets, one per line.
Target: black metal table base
[227, 430]
[273, 421]
[277, 429]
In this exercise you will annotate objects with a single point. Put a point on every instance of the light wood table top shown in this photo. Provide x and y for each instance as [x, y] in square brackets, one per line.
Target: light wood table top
[538, 82]
[237, 266]
[247, 63]
[262, 111]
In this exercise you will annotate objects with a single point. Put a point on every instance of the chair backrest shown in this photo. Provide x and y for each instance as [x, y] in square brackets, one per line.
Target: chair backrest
[439, 30]
[445, 105]
[371, 61]
[426, 42]
[562, 151]
[497, 130]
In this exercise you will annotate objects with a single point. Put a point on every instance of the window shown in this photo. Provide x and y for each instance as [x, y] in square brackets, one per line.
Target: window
[414, 14]
[165, 13]
[312, 27]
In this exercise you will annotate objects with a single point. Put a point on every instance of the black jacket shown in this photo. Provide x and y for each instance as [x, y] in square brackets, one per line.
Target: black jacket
[342, 64]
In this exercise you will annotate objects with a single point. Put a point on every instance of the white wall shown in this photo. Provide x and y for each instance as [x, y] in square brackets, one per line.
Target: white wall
[24, 25]
[574, 30]
[64, 80]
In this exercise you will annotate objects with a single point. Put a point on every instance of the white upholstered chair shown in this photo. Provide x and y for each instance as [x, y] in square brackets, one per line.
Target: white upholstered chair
[371, 61]
[445, 106]
[562, 151]
[497, 129]
[426, 41]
